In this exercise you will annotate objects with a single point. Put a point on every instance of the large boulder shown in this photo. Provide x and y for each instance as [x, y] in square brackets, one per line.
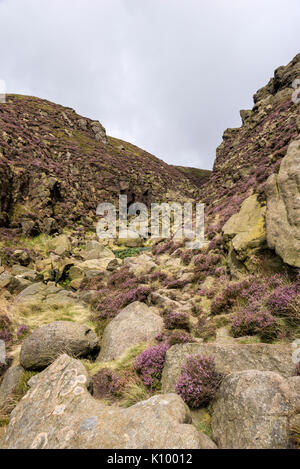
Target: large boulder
[246, 229]
[252, 410]
[134, 324]
[59, 413]
[229, 358]
[283, 207]
[47, 342]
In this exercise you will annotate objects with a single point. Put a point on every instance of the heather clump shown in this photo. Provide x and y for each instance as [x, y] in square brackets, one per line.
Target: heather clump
[205, 265]
[228, 297]
[110, 303]
[186, 256]
[175, 283]
[149, 365]
[167, 247]
[157, 276]
[280, 300]
[198, 381]
[122, 288]
[107, 384]
[176, 337]
[5, 329]
[250, 321]
[176, 320]
[22, 331]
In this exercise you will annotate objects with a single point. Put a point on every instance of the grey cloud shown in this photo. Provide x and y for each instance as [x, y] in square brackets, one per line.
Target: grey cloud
[167, 75]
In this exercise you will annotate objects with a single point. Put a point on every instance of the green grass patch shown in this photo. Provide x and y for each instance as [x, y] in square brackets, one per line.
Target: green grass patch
[129, 252]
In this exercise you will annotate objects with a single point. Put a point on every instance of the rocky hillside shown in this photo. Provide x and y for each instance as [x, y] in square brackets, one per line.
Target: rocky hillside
[56, 167]
[167, 347]
[197, 176]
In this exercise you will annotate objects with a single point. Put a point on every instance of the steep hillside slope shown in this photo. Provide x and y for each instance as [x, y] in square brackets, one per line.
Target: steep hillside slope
[249, 154]
[197, 176]
[56, 166]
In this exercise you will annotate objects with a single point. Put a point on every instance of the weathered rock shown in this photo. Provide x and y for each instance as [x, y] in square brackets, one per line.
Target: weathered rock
[95, 264]
[8, 387]
[133, 240]
[247, 227]
[23, 272]
[252, 410]
[47, 342]
[95, 250]
[140, 265]
[46, 294]
[13, 284]
[283, 207]
[134, 324]
[61, 245]
[58, 412]
[229, 358]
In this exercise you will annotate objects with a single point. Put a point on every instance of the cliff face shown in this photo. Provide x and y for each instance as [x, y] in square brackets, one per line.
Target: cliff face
[250, 154]
[56, 166]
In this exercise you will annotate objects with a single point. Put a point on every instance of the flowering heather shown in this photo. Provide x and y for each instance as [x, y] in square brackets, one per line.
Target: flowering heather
[186, 256]
[205, 265]
[176, 320]
[251, 322]
[279, 301]
[5, 324]
[175, 337]
[149, 364]
[216, 243]
[175, 283]
[157, 277]
[106, 383]
[167, 247]
[22, 330]
[180, 337]
[112, 303]
[198, 381]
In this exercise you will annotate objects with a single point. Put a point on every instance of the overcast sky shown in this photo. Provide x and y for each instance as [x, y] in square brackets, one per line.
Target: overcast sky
[167, 75]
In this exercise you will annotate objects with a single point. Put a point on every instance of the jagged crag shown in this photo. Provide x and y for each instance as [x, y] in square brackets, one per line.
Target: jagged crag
[92, 327]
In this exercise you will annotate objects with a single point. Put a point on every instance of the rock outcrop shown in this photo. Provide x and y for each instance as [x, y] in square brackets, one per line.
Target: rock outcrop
[47, 342]
[283, 207]
[229, 359]
[59, 413]
[56, 167]
[246, 229]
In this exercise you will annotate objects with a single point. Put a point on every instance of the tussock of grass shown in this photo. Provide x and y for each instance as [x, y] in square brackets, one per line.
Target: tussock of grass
[202, 421]
[296, 436]
[134, 392]
[40, 243]
[125, 362]
[37, 314]
[22, 386]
